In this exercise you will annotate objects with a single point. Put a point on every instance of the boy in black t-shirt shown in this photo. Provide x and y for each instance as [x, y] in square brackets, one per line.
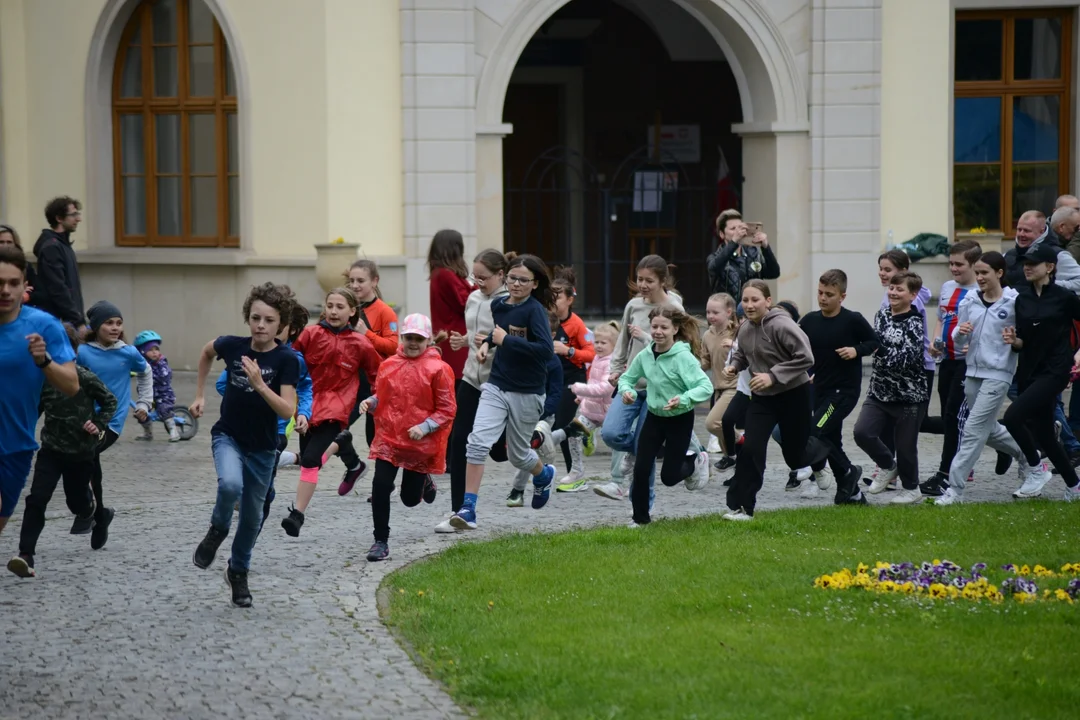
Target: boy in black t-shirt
[839, 338]
[262, 377]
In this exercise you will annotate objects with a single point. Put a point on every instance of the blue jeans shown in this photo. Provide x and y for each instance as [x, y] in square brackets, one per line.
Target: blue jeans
[245, 477]
[620, 432]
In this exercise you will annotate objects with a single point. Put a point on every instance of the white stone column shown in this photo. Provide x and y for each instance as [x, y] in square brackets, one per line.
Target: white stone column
[489, 185]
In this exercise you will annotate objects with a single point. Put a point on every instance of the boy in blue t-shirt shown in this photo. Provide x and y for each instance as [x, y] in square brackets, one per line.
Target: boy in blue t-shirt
[34, 349]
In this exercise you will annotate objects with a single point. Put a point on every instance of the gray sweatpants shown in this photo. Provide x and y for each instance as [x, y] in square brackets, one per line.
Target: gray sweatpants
[984, 400]
[517, 413]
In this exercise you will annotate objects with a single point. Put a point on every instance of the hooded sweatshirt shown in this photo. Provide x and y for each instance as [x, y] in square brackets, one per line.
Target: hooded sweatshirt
[114, 365]
[478, 320]
[987, 355]
[595, 395]
[626, 345]
[776, 346]
[675, 373]
[58, 290]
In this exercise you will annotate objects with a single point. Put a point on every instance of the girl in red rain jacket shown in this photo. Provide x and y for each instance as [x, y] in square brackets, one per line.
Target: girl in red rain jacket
[415, 407]
[336, 354]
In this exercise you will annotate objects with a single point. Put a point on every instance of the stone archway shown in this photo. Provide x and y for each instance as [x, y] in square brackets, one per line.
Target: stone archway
[100, 63]
[775, 130]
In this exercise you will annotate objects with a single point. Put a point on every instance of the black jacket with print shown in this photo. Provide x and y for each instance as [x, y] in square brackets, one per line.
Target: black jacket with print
[898, 363]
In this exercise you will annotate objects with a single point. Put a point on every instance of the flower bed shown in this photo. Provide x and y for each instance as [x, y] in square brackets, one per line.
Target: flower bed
[945, 580]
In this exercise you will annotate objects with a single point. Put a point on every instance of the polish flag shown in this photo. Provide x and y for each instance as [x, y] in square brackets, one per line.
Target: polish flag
[726, 197]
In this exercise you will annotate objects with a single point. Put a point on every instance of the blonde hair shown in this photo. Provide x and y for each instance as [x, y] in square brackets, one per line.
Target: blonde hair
[609, 328]
[730, 304]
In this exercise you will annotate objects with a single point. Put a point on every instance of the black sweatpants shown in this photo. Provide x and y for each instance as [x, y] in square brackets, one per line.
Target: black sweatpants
[567, 410]
[49, 468]
[791, 411]
[950, 392]
[315, 441]
[831, 408]
[1030, 420]
[897, 422]
[673, 434]
[734, 417]
[887, 432]
[382, 484]
[468, 399]
[95, 478]
[363, 394]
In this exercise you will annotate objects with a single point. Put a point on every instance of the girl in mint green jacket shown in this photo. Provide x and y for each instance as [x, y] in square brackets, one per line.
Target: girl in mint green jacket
[676, 383]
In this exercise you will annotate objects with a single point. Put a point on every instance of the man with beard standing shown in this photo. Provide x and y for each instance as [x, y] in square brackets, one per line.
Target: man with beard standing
[59, 290]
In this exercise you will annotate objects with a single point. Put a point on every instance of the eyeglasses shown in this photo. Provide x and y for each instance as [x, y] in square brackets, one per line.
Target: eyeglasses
[517, 280]
[479, 279]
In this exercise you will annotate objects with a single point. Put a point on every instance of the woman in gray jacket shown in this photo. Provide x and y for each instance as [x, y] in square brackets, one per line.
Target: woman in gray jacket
[489, 274]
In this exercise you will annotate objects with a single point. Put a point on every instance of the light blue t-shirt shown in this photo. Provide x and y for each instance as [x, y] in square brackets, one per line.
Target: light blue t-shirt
[22, 379]
[114, 366]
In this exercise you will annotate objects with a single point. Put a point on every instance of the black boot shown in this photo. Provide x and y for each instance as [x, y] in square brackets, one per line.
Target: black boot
[207, 549]
[293, 523]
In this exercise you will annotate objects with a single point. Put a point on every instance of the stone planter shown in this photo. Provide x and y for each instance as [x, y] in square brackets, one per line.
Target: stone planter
[331, 261]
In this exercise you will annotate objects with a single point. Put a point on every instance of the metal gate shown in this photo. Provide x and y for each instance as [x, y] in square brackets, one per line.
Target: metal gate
[567, 216]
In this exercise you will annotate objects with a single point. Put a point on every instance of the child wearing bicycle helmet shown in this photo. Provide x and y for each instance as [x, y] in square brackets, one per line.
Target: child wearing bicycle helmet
[148, 344]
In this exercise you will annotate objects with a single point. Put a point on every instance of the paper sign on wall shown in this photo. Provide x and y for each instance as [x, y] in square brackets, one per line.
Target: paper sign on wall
[681, 143]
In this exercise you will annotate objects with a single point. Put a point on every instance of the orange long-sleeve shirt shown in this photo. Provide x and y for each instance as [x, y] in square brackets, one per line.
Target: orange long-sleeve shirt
[573, 333]
[382, 324]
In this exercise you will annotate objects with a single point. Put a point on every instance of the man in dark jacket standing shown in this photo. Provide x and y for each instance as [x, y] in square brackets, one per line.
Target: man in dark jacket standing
[59, 290]
[740, 257]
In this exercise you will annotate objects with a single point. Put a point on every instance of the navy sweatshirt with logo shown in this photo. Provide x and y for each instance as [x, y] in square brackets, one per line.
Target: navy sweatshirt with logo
[521, 364]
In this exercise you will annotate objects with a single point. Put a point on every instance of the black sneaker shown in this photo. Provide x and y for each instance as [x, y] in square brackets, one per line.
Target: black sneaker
[430, 490]
[22, 565]
[935, 486]
[379, 551]
[793, 482]
[724, 463]
[847, 488]
[293, 523]
[1004, 462]
[82, 526]
[516, 498]
[207, 549]
[350, 478]
[729, 481]
[100, 534]
[241, 596]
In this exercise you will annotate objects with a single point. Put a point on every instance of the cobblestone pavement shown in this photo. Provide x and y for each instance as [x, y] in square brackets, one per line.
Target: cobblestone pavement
[135, 630]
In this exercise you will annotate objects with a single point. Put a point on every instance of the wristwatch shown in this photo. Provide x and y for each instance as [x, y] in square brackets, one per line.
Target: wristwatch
[570, 353]
[46, 363]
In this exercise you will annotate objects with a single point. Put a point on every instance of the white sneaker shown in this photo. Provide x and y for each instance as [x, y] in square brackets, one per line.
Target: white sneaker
[803, 474]
[445, 527]
[626, 467]
[700, 478]
[809, 489]
[1072, 493]
[632, 525]
[906, 497]
[546, 451]
[951, 497]
[610, 490]
[738, 516]
[1034, 481]
[287, 458]
[174, 434]
[714, 445]
[881, 479]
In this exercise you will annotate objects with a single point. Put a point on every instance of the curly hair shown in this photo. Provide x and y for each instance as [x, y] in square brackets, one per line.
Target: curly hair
[279, 297]
[57, 208]
[298, 320]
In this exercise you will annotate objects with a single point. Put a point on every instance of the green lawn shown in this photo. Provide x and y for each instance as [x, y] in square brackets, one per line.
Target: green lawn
[707, 619]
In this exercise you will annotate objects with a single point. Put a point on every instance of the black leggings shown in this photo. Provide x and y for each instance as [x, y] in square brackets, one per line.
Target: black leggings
[1030, 420]
[673, 434]
[369, 419]
[734, 417]
[382, 484]
[315, 441]
[567, 411]
[95, 478]
[468, 399]
[950, 392]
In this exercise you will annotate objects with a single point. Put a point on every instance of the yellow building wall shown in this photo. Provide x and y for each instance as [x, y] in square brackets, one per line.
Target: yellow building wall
[323, 114]
[916, 112]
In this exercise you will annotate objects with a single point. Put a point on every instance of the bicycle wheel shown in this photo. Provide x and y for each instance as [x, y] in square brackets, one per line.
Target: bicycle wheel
[187, 425]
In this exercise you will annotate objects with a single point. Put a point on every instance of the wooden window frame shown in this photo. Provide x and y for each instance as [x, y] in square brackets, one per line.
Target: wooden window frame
[183, 105]
[1008, 88]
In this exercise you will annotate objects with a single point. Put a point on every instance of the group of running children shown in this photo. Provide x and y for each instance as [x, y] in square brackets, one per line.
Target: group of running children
[533, 379]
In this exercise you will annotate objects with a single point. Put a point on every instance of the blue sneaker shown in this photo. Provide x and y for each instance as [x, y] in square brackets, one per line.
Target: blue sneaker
[464, 519]
[542, 487]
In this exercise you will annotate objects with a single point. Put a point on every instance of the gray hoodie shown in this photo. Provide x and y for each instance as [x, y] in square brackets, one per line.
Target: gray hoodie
[777, 346]
[987, 355]
[478, 320]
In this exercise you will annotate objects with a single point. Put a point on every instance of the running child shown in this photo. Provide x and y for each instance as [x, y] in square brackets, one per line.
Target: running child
[337, 354]
[513, 398]
[415, 404]
[448, 290]
[543, 439]
[839, 339]
[69, 437]
[110, 358]
[376, 321]
[489, 272]
[595, 398]
[148, 343]
[978, 337]
[575, 351]
[718, 339]
[734, 417]
[676, 384]
[262, 389]
[897, 395]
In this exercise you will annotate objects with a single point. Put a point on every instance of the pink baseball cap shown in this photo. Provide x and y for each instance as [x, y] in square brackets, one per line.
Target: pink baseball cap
[417, 324]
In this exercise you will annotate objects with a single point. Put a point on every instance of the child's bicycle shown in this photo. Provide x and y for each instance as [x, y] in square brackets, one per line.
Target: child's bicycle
[186, 425]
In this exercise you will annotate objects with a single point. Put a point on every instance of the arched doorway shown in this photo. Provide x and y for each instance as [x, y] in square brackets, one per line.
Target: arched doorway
[750, 102]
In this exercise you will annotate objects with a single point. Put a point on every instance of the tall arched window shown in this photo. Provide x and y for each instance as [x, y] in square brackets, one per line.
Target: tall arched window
[174, 130]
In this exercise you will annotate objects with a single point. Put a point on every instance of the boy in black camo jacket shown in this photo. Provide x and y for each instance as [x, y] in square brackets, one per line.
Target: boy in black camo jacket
[73, 428]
